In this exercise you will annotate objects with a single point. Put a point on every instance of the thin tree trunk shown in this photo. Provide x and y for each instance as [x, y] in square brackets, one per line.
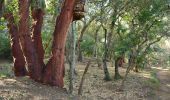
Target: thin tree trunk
[37, 15]
[71, 57]
[106, 72]
[95, 52]
[18, 58]
[26, 42]
[54, 71]
[131, 63]
[80, 90]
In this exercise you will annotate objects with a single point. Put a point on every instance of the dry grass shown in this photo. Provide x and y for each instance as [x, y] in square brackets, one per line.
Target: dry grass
[94, 88]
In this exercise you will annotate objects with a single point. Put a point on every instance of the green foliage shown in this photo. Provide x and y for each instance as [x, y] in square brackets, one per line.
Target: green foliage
[12, 6]
[87, 45]
[39, 4]
[5, 71]
[5, 51]
[47, 39]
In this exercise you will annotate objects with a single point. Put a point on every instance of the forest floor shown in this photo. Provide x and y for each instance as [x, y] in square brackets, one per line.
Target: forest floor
[163, 75]
[149, 84]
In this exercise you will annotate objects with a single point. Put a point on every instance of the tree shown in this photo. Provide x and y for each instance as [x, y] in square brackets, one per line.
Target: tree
[29, 49]
[19, 61]
[55, 66]
[37, 15]
[34, 67]
[71, 55]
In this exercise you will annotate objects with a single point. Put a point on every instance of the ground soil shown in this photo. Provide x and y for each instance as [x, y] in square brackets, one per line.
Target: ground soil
[163, 92]
[138, 86]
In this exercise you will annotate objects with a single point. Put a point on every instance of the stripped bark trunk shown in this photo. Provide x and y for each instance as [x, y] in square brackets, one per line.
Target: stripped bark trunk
[26, 42]
[54, 71]
[18, 58]
[37, 15]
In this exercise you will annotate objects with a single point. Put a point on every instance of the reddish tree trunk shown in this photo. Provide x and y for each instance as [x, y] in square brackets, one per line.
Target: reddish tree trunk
[54, 72]
[37, 15]
[26, 42]
[18, 58]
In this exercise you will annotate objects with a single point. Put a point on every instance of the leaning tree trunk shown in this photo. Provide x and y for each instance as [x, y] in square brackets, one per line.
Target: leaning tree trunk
[54, 71]
[37, 15]
[18, 58]
[26, 41]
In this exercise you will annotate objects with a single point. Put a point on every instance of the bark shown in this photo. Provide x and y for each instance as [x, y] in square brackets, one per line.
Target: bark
[71, 56]
[136, 68]
[37, 15]
[26, 42]
[110, 43]
[18, 58]
[106, 72]
[54, 71]
[117, 65]
[131, 64]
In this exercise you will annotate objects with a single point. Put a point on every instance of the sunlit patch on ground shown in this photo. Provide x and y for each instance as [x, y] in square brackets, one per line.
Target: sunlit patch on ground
[161, 68]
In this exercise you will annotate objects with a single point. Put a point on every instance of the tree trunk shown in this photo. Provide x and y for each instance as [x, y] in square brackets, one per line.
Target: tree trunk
[54, 71]
[80, 90]
[37, 15]
[18, 58]
[71, 55]
[136, 69]
[131, 62]
[106, 72]
[117, 65]
[26, 42]
[95, 52]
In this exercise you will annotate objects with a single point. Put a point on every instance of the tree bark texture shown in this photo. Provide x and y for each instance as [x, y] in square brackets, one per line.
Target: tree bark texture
[37, 15]
[118, 64]
[71, 56]
[106, 72]
[18, 58]
[26, 41]
[54, 71]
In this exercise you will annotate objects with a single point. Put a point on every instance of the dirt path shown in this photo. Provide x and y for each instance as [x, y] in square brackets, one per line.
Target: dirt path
[163, 92]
